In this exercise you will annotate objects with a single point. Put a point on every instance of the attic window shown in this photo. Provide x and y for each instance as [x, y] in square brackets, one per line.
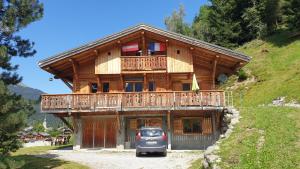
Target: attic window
[178, 52]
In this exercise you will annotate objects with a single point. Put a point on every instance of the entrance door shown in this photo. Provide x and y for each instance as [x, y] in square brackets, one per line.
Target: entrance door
[99, 132]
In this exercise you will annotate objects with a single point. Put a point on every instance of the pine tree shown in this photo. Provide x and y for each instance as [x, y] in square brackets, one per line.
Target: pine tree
[200, 27]
[14, 16]
[291, 10]
[231, 23]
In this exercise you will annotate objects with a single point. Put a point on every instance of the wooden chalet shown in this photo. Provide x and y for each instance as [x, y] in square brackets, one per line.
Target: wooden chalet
[142, 76]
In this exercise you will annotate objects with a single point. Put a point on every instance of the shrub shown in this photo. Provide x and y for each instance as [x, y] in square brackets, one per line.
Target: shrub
[242, 75]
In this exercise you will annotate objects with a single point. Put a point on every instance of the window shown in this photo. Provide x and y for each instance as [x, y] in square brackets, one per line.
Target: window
[94, 87]
[186, 86]
[151, 86]
[133, 86]
[151, 132]
[105, 87]
[192, 125]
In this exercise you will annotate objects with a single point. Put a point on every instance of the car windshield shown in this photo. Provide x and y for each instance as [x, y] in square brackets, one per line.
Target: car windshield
[151, 132]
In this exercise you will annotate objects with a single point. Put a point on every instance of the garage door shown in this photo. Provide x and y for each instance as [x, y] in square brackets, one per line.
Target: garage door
[99, 132]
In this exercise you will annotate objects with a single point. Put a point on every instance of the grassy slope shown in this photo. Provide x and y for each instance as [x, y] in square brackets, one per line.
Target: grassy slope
[27, 155]
[277, 128]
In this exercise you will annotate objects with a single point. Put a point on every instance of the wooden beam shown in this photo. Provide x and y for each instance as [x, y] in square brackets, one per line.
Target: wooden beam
[237, 66]
[67, 84]
[145, 82]
[118, 121]
[122, 82]
[57, 75]
[169, 82]
[214, 72]
[169, 120]
[75, 74]
[99, 83]
[144, 47]
[66, 123]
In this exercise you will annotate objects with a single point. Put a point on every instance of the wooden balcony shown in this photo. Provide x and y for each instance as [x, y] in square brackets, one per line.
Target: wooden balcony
[143, 63]
[142, 101]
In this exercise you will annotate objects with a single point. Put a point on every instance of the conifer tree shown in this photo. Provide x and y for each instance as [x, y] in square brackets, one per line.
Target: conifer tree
[14, 16]
[291, 10]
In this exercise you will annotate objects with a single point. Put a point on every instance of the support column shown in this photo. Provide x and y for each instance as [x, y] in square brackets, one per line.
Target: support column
[213, 118]
[169, 130]
[121, 134]
[77, 133]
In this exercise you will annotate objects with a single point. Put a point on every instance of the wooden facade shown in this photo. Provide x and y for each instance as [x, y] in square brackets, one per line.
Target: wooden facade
[115, 92]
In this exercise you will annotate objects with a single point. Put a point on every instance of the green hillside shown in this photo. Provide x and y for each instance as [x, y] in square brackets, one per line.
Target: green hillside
[267, 137]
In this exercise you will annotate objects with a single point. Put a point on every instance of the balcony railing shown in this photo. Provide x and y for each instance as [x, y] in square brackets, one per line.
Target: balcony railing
[138, 63]
[135, 101]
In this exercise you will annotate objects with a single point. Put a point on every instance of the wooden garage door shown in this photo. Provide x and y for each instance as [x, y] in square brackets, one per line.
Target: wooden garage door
[87, 137]
[110, 133]
[99, 132]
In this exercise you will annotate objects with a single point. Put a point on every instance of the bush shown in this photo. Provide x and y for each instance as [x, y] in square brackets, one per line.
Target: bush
[242, 75]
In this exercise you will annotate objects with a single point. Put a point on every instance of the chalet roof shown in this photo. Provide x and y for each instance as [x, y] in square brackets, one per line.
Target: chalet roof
[169, 34]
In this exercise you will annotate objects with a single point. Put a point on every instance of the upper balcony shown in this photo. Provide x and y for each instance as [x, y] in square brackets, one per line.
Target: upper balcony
[143, 63]
[136, 101]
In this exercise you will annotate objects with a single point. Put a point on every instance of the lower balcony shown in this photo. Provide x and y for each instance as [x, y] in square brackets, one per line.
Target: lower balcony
[136, 101]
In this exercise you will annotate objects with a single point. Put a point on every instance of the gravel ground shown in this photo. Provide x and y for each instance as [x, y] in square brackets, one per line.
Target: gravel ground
[127, 160]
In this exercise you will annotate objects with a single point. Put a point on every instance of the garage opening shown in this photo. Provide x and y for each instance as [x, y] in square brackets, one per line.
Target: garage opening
[99, 133]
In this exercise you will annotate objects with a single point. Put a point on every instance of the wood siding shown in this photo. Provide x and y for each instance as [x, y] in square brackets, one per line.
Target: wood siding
[204, 77]
[108, 62]
[179, 62]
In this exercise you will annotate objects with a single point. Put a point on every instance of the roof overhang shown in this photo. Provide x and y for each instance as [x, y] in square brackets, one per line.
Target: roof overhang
[175, 36]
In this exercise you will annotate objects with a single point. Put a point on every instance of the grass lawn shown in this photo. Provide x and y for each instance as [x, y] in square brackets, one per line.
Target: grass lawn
[267, 137]
[32, 162]
[197, 164]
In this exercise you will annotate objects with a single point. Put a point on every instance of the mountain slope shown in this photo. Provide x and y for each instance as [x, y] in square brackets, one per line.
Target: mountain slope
[25, 91]
[34, 95]
[267, 137]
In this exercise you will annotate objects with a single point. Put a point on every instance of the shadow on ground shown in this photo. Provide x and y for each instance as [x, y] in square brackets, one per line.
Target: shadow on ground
[283, 38]
[32, 161]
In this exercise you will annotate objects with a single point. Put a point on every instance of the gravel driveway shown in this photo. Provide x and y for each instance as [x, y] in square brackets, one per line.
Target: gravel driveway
[127, 160]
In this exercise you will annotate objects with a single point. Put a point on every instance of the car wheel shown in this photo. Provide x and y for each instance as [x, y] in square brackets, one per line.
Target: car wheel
[137, 154]
[164, 154]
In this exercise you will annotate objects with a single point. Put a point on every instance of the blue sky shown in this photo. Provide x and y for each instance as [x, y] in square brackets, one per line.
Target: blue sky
[70, 23]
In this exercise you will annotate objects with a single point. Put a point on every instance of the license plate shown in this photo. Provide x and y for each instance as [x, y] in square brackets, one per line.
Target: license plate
[151, 142]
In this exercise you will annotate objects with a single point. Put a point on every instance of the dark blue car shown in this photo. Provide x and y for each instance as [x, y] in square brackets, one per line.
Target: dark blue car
[151, 140]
